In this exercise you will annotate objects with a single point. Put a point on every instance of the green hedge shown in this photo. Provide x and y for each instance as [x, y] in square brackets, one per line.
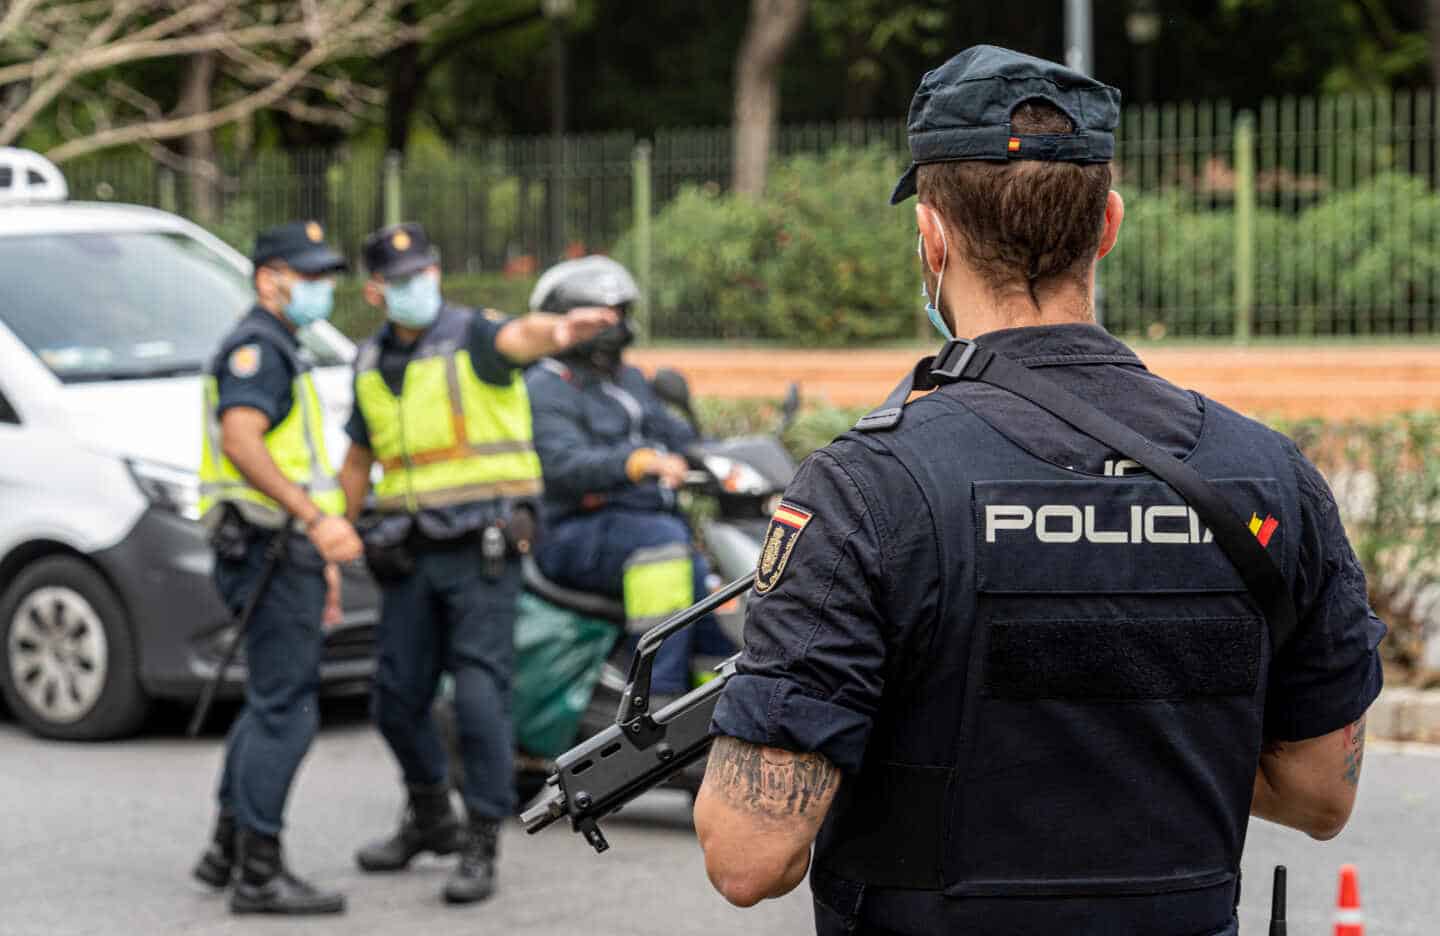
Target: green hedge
[820, 260]
[823, 259]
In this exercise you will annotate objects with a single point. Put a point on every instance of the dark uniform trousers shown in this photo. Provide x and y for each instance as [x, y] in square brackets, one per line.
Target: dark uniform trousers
[449, 615]
[1074, 751]
[589, 551]
[283, 642]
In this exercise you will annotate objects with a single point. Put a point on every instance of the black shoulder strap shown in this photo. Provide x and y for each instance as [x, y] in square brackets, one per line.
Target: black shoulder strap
[965, 360]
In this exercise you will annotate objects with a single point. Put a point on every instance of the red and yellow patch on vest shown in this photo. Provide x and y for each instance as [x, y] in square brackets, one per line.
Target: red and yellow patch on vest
[1263, 529]
[786, 525]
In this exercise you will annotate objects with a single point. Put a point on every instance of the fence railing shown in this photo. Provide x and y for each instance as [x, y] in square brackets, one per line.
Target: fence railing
[1311, 217]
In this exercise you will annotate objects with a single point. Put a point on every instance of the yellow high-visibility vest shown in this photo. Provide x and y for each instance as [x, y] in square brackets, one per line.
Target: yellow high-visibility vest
[296, 444]
[449, 437]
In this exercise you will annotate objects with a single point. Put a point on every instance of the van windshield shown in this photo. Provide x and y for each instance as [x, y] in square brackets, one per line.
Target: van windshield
[117, 306]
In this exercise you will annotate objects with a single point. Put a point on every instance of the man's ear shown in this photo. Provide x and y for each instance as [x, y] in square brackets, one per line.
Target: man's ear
[932, 237]
[1114, 214]
[374, 292]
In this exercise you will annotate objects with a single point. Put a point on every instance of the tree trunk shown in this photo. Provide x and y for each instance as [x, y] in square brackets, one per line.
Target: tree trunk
[772, 27]
[1434, 24]
[402, 86]
[202, 175]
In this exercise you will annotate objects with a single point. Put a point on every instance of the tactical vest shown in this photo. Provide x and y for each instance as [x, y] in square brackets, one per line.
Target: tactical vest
[449, 437]
[296, 444]
[1072, 749]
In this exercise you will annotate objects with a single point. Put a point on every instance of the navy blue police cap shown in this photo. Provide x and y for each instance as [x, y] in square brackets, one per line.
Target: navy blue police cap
[301, 246]
[962, 111]
[399, 250]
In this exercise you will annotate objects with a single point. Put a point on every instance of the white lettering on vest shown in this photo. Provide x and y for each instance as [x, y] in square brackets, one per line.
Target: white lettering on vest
[1005, 517]
[1161, 524]
[1049, 512]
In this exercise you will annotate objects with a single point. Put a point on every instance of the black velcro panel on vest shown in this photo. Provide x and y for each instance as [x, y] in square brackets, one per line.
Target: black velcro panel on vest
[1123, 660]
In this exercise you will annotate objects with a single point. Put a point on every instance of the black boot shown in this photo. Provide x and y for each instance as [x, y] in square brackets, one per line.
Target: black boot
[474, 877]
[216, 866]
[430, 824]
[264, 885]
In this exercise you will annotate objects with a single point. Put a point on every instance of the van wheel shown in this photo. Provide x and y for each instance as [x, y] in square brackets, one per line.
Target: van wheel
[68, 664]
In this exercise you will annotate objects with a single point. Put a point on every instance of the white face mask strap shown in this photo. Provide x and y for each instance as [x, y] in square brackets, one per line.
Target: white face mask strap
[944, 255]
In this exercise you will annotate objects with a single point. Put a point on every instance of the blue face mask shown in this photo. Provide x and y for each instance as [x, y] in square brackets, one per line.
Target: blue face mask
[413, 302]
[936, 318]
[310, 301]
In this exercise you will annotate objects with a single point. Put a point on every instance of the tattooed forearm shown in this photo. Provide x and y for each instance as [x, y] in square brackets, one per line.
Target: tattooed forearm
[770, 781]
[1354, 751]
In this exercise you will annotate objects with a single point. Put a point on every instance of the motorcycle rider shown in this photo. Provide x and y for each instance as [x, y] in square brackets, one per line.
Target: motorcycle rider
[611, 456]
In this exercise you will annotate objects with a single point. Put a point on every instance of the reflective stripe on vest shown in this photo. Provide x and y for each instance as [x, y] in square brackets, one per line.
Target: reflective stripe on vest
[658, 582]
[449, 438]
[297, 446]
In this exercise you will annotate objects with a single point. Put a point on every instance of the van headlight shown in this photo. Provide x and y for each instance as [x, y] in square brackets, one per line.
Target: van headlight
[167, 488]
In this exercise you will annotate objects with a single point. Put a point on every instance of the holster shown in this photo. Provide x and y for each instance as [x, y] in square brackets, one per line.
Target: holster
[230, 538]
[521, 529]
[390, 563]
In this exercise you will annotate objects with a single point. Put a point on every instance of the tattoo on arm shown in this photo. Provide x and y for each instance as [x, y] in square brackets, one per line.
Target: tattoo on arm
[769, 781]
[1354, 751]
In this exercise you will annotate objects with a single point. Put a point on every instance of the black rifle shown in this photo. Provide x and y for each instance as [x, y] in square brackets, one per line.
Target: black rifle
[274, 552]
[594, 779]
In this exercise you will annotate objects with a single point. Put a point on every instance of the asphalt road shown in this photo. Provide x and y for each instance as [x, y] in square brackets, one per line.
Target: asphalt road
[98, 839]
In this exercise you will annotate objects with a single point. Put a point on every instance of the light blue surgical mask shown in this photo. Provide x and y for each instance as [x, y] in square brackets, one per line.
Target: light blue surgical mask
[413, 302]
[932, 308]
[310, 301]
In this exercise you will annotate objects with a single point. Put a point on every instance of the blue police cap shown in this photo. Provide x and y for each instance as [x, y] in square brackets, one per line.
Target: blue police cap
[962, 111]
[301, 245]
[399, 250]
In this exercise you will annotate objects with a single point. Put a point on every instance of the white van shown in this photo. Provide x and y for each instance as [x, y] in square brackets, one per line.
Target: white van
[108, 316]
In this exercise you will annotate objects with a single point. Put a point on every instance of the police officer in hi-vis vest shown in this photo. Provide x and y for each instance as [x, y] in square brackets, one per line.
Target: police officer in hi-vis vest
[441, 405]
[1028, 653]
[264, 473]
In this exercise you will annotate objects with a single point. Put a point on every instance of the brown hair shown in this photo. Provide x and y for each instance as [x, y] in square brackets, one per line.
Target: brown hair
[1022, 221]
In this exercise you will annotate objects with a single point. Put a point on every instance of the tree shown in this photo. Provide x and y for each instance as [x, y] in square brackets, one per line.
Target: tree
[56, 54]
[878, 37]
[772, 27]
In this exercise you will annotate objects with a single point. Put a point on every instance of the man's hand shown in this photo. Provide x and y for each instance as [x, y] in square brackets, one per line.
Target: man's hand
[335, 539]
[671, 470]
[582, 324]
[533, 336]
[757, 815]
[334, 613]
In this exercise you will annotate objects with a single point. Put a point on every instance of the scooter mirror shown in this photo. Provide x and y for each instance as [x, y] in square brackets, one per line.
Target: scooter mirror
[790, 406]
[672, 387]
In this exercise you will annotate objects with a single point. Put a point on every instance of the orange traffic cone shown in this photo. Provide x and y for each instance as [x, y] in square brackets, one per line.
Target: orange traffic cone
[1349, 921]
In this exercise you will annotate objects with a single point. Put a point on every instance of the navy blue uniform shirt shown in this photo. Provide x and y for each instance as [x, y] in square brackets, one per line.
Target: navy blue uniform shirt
[251, 368]
[441, 523]
[587, 424]
[862, 580]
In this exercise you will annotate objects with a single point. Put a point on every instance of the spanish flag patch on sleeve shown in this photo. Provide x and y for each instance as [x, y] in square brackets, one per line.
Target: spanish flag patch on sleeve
[786, 525]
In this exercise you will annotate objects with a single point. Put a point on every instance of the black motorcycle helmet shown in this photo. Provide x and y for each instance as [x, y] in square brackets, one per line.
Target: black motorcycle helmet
[590, 281]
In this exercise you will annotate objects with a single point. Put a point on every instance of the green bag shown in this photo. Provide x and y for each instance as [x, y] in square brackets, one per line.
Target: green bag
[558, 656]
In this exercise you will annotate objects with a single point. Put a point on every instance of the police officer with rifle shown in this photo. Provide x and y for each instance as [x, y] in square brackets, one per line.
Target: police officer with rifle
[1027, 653]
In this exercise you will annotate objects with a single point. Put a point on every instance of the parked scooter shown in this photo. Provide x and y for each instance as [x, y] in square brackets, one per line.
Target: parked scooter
[744, 478]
